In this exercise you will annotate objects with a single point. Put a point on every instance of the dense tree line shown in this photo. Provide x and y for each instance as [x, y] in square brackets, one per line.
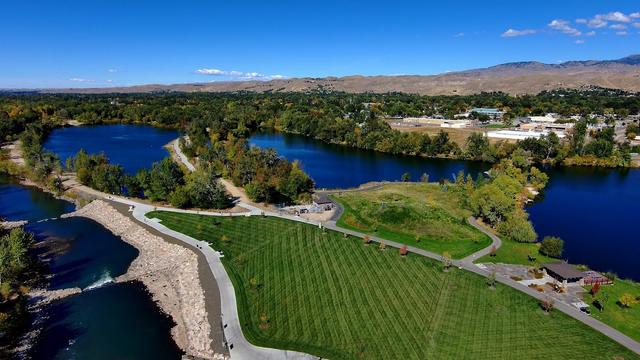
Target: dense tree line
[164, 181]
[355, 120]
[265, 176]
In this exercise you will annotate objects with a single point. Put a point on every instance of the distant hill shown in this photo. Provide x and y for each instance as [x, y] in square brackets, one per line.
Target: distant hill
[514, 78]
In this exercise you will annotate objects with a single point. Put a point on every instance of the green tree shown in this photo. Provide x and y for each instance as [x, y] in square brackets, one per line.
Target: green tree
[517, 227]
[490, 203]
[206, 191]
[552, 246]
[165, 177]
[406, 177]
[477, 144]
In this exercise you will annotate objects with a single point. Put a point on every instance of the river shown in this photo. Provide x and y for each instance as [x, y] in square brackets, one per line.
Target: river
[107, 320]
[593, 210]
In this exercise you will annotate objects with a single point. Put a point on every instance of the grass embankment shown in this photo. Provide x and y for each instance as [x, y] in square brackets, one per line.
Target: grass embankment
[318, 292]
[416, 214]
[626, 320]
[513, 252]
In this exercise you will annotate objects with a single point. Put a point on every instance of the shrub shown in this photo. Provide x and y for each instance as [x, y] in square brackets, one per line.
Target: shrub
[552, 246]
[627, 300]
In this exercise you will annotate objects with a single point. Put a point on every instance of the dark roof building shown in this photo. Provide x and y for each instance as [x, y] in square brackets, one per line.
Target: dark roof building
[563, 271]
[322, 199]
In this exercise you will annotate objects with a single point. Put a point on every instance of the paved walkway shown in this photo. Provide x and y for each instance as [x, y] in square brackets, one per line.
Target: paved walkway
[239, 346]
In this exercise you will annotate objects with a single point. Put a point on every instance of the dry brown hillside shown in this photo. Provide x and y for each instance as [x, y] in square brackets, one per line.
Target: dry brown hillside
[513, 78]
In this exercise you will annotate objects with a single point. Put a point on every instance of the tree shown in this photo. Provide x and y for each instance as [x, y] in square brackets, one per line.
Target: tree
[165, 177]
[490, 203]
[206, 191]
[595, 290]
[518, 227]
[424, 178]
[406, 177]
[382, 245]
[491, 280]
[477, 144]
[547, 304]
[404, 250]
[446, 261]
[14, 256]
[552, 246]
[627, 300]
[366, 239]
[180, 197]
[538, 178]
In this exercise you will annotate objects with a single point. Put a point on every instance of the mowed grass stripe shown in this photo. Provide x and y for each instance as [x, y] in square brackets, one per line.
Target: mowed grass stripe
[335, 297]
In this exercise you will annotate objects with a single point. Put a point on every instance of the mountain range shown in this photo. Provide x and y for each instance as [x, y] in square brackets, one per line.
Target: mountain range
[528, 77]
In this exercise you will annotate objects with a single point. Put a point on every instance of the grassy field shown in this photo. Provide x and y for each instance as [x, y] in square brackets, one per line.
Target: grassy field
[513, 252]
[302, 288]
[623, 319]
[416, 214]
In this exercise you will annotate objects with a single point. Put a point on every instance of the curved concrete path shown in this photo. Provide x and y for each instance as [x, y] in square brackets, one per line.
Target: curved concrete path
[239, 346]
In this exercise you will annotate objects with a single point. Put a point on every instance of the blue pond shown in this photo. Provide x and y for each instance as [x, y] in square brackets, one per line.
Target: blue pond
[132, 146]
[593, 210]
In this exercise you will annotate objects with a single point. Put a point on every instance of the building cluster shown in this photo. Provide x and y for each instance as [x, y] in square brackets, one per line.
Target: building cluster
[533, 127]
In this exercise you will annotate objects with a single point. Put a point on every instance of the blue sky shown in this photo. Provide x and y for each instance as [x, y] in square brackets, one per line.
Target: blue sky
[91, 43]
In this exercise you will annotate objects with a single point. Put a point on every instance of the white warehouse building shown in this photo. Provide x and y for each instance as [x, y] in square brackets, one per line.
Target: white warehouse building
[518, 135]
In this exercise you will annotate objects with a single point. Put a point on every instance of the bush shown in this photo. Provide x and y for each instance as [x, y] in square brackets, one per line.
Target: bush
[552, 246]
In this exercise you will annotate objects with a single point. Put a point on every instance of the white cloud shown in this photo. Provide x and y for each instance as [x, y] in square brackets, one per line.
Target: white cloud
[590, 33]
[616, 16]
[636, 25]
[238, 75]
[460, 34]
[622, 33]
[112, 71]
[581, 21]
[515, 33]
[597, 23]
[211, 72]
[563, 26]
[80, 80]
[602, 20]
[618, 27]
[579, 42]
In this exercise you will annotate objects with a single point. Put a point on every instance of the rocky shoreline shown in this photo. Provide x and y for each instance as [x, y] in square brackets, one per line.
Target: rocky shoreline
[170, 273]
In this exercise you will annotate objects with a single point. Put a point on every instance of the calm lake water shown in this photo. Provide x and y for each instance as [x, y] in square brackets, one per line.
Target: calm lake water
[106, 321]
[132, 146]
[593, 210]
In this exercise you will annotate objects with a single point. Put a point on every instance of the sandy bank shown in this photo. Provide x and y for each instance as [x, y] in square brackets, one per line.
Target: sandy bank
[8, 225]
[169, 271]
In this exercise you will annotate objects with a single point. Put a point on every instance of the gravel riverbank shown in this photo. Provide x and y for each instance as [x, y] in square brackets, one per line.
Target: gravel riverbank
[169, 271]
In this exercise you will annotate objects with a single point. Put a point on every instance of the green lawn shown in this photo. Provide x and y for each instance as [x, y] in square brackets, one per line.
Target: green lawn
[513, 252]
[303, 289]
[623, 319]
[406, 212]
